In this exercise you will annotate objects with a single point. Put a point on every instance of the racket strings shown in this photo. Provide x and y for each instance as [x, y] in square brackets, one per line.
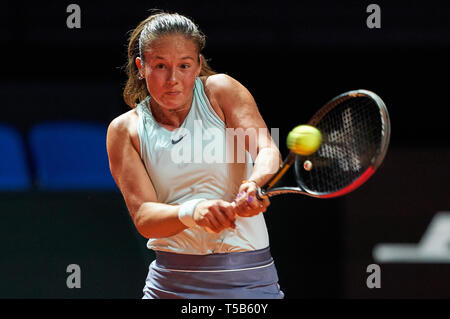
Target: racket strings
[352, 135]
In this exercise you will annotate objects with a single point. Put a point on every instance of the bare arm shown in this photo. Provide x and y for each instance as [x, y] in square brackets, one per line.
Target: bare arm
[240, 111]
[153, 219]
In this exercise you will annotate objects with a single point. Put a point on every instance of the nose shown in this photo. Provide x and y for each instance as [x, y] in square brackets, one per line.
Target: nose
[172, 77]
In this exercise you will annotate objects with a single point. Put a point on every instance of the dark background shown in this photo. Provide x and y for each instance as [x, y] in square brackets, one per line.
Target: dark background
[293, 56]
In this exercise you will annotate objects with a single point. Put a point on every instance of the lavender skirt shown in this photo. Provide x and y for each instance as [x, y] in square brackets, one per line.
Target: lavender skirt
[241, 275]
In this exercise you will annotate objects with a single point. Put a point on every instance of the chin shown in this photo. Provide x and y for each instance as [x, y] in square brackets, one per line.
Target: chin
[174, 104]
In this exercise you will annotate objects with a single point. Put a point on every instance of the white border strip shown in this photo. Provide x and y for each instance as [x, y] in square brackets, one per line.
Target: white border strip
[225, 270]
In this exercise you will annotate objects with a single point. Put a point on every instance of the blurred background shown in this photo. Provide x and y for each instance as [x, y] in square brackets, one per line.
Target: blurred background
[61, 87]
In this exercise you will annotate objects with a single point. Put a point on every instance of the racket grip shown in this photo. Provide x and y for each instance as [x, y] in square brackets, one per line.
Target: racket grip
[260, 193]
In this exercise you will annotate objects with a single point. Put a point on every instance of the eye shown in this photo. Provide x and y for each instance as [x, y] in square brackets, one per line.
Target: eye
[159, 66]
[185, 66]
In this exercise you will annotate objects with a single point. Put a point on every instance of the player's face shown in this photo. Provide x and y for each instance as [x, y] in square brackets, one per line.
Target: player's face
[170, 69]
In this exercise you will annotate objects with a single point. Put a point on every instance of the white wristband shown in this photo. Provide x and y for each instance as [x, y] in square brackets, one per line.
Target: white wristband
[186, 211]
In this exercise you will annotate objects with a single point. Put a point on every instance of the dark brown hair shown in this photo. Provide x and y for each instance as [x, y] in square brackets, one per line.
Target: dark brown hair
[153, 27]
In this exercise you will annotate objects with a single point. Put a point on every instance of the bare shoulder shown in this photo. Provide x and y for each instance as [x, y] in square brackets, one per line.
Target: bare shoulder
[124, 127]
[124, 121]
[214, 86]
[224, 93]
[227, 91]
[221, 83]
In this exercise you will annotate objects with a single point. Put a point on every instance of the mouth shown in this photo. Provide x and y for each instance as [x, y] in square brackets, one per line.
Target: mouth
[173, 93]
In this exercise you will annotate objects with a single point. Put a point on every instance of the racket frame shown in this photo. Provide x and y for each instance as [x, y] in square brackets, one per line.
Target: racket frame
[267, 189]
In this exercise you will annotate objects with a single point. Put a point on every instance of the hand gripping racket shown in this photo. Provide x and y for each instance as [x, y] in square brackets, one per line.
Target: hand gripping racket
[355, 131]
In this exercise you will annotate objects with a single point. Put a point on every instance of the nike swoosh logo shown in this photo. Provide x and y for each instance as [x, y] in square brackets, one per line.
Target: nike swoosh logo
[175, 142]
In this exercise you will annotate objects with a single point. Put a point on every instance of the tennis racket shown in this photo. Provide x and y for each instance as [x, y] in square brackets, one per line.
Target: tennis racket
[355, 129]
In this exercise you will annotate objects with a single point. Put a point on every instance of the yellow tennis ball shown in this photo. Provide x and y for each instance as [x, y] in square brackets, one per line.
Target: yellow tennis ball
[304, 140]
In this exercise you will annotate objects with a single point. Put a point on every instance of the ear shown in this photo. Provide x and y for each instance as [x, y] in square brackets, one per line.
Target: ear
[200, 62]
[140, 66]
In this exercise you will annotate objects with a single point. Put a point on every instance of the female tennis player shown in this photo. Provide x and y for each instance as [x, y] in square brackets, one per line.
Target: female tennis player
[201, 216]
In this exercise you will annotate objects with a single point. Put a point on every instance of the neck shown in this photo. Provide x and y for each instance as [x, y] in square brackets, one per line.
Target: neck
[169, 117]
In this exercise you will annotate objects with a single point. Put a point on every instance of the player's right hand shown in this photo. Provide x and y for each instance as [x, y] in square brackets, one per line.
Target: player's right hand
[215, 214]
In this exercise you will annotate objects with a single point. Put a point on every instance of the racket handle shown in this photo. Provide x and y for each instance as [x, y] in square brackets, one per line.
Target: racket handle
[281, 171]
[260, 193]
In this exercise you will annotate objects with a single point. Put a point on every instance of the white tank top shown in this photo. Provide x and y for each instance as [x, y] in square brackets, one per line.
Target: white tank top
[191, 162]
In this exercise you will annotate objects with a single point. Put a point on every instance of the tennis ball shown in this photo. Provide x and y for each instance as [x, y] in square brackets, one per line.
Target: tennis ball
[304, 139]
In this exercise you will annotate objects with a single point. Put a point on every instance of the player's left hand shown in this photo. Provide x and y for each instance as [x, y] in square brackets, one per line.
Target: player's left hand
[247, 203]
